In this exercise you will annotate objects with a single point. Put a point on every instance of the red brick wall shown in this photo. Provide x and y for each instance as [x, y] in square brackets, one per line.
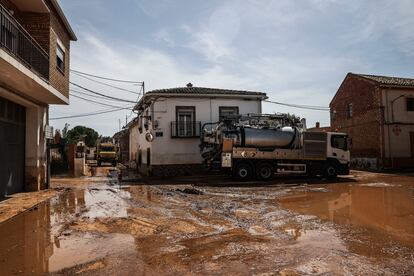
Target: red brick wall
[45, 28]
[59, 80]
[10, 6]
[364, 126]
[38, 26]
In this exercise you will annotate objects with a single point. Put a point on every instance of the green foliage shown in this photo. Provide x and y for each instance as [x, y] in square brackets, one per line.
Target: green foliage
[82, 133]
[105, 139]
[295, 119]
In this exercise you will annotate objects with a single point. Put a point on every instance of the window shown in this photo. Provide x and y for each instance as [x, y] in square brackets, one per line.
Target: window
[60, 58]
[339, 142]
[185, 124]
[349, 111]
[226, 111]
[410, 104]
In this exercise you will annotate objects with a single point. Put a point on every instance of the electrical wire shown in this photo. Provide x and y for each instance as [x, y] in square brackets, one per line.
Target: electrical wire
[132, 111]
[319, 108]
[104, 78]
[92, 95]
[100, 94]
[106, 84]
[89, 114]
[92, 101]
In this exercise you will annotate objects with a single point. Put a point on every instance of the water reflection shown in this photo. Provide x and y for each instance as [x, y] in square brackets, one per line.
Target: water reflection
[25, 243]
[36, 242]
[384, 209]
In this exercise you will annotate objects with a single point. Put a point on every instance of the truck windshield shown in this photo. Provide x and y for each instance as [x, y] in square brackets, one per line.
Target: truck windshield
[107, 149]
[339, 142]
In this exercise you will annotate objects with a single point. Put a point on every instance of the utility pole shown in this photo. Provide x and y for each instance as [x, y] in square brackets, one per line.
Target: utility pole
[126, 120]
[119, 120]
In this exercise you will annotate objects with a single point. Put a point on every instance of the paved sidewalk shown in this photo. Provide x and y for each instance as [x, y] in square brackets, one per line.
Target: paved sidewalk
[21, 202]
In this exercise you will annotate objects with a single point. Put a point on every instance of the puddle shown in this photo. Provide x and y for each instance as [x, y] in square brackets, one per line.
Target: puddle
[38, 241]
[377, 214]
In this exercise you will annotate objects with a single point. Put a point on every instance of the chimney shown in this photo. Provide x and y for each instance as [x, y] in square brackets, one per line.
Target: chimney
[189, 85]
[318, 125]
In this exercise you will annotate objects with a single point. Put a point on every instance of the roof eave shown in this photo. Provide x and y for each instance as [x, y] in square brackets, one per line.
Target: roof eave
[208, 95]
[64, 19]
[396, 86]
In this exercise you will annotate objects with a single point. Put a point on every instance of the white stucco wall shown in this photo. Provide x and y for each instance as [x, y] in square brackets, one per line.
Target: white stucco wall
[166, 150]
[133, 143]
[397, 138]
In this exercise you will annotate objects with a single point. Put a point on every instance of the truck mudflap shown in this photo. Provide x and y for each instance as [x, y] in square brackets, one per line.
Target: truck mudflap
[343, 169]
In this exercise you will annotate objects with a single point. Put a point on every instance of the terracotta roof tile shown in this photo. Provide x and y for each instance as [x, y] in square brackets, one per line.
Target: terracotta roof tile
[205, 90]
[384, 80]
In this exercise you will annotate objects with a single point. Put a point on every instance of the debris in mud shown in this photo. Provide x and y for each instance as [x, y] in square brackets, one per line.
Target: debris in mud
[190, 191]
[93, 266]
[99, 229]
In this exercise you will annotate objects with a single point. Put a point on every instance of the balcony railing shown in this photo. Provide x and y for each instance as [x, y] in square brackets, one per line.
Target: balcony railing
[185, 129]
[16, 40]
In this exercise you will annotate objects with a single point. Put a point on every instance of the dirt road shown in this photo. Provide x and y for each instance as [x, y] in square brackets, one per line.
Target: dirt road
[361, 225]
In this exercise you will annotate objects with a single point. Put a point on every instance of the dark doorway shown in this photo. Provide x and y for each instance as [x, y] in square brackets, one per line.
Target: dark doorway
[12, 147]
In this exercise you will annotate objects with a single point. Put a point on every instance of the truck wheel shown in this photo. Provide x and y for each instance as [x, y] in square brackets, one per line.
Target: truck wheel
[243, 171]
[265, 171]
[330, 171]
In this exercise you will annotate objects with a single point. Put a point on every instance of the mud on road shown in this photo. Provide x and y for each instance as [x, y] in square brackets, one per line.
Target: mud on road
[361, 225]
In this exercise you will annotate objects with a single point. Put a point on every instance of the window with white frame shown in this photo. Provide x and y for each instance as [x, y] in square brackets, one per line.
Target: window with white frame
[60, 56]
[185, 121]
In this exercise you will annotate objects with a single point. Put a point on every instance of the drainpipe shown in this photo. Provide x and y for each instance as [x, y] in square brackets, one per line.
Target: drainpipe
[392, 122]
[388, 130]
[47, 154]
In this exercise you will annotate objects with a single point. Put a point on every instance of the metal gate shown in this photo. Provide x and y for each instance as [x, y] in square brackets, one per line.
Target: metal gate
[12, 147]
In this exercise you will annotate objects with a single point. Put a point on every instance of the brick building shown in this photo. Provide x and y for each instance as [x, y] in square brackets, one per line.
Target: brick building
[34, 73]
[378, 114]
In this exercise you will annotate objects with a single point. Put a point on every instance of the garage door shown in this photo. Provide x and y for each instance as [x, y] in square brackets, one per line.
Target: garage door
[12, 151]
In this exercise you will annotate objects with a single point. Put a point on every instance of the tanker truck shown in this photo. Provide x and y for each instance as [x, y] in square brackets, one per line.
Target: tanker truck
[261, 146]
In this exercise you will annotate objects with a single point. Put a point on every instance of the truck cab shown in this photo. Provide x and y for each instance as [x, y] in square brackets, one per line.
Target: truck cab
[337, 149]
[108, 153]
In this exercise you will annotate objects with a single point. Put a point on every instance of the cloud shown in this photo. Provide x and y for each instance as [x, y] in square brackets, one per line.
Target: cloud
[384, 20]
[214, 40]
[127, 61]
[297, 51]
[164, 37]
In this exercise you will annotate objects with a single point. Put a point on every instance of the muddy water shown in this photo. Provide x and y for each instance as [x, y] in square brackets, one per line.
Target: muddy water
[98, 227]
[40, 240]
[377, 213]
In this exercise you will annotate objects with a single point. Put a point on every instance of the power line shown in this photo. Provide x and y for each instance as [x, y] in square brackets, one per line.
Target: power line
[319, 108]
[100, 94]
[92, 95]
[106, 84]
[92, 101]
[89, 114]
[104, 78]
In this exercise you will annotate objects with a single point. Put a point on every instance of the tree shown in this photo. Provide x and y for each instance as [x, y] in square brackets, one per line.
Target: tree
[82, 133]
[293, 118]
[105, 139]
[65, 130]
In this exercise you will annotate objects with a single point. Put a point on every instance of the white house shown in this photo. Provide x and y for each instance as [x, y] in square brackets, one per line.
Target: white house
[170, 120]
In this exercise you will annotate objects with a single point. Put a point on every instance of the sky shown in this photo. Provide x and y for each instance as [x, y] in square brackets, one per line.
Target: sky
[297, 51]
